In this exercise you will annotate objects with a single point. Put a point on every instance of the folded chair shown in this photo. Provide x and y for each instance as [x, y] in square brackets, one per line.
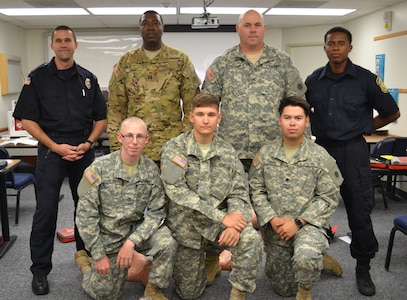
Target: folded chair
[17, 181]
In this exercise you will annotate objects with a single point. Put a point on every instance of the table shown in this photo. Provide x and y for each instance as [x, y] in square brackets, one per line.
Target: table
[8, 240]
[374, 138]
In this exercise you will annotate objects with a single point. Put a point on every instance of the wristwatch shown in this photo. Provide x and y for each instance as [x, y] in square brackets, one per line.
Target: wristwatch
[298, 223]
[89, 142]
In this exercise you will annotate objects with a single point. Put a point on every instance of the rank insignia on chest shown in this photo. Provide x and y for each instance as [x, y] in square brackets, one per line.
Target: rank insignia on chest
[90, 176]
[150, 77]
[256, 160]
[180, 161]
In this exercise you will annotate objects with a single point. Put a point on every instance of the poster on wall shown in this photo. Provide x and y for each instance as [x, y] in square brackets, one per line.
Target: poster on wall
[395, 94]
[380, 60]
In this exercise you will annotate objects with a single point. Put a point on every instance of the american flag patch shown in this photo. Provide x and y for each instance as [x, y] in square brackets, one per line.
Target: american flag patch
[27, 81]
[180, 161]
[90, 176]
[209, 74]
[256, 160]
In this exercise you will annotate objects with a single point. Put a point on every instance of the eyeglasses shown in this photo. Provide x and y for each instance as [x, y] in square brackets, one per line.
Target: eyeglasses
[130, 137]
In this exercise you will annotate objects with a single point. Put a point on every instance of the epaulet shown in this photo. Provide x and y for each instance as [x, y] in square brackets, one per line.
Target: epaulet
[40, 67]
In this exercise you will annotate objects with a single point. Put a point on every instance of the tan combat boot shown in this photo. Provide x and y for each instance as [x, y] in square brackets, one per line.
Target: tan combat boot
[212, 267]
[83, 261]
[235, 294]
[153, 291]
[330, 264]
[303, 294]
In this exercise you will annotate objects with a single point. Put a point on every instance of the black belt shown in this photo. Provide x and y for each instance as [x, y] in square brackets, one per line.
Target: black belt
[330, 143]
[69, 134]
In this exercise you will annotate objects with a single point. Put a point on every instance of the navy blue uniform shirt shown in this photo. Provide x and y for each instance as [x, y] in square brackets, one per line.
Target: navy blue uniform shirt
[343, 103]
[63, 101]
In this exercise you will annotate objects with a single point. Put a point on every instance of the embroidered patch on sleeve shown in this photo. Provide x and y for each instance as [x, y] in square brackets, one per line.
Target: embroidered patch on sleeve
[209, 74]
[27, 81]
[90, 176]
[256, 160]
[381, 85]
[116, 70]
[180, 161]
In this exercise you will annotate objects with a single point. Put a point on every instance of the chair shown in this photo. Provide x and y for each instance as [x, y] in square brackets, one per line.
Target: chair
[400, 223]
[385, 146]
[400, 149]
[17, 181]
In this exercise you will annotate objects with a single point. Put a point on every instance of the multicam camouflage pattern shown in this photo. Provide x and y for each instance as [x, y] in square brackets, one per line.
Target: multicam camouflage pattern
[114, 207]
[201, 192]
[250, 96]
[307, 186]
[152, 90]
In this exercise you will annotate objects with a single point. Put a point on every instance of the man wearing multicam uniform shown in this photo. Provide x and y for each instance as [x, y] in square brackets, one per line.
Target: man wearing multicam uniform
[208, 204]
[149, 82]
[121, 209]
[251, 79]
[295, 186]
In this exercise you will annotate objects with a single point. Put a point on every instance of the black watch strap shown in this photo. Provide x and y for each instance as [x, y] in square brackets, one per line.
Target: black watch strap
[90, 142]
[298, 223]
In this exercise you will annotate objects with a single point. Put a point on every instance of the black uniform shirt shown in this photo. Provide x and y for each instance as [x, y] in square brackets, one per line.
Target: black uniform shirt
[62, 101]
[343, 103]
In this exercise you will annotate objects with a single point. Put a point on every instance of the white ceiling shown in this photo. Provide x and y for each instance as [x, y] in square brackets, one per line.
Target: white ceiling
[363, 7]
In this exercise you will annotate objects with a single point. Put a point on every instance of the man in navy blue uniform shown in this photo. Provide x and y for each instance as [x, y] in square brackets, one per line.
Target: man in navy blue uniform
[343, 96]
[62, 106]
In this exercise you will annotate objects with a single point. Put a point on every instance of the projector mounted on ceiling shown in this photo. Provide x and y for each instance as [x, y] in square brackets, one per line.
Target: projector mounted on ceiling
[205, 20]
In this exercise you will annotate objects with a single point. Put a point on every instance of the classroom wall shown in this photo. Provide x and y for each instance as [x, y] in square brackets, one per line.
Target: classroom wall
[32, 47]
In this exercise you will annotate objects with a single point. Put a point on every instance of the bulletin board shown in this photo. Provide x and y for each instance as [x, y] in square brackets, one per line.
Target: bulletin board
[11, 74]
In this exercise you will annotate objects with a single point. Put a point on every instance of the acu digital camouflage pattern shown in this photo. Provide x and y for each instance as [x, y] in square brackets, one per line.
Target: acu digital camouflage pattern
[307, 186]
[201, 192]
[114, 207]
[151, 90]
[250, 96]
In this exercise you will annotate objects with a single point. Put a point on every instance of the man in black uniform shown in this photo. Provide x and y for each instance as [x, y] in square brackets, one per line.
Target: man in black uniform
[343, 96]
[62, 106]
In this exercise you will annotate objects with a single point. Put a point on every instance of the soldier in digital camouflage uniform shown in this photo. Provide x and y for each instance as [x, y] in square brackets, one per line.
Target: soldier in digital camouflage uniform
[208, 204]
[251, 79]
[148, 82]
[295, 186]
[121, 209]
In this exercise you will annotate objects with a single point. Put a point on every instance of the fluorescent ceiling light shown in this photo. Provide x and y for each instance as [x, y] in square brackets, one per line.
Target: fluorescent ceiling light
[220, 10]
[43, 11]
[131, 10]
[309, 11]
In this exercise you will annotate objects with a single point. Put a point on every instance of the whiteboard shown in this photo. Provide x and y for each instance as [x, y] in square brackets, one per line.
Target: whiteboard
[98, 52]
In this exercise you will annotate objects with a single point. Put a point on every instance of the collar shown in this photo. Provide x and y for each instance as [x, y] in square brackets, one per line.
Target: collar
[350, 70]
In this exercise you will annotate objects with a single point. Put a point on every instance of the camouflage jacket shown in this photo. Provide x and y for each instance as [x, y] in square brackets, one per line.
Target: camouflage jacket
[306, 187]
[114, 206]
[152, 90]
[250, 96]
[201, 190]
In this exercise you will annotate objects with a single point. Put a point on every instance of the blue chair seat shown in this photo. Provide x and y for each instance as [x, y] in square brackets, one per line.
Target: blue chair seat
[17, 181]
[400, 223]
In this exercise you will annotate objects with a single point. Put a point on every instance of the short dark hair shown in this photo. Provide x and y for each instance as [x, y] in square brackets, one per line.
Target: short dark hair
[63, 27]
[205, 100]
[295, 101]
[151, 12]
[339, 29]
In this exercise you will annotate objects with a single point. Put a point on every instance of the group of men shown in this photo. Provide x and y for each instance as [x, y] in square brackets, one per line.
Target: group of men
[251, 152]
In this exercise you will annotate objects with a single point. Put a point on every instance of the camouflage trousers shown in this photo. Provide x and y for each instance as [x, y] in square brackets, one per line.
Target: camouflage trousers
[160, 247]
[294, 263]
[189, 264]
